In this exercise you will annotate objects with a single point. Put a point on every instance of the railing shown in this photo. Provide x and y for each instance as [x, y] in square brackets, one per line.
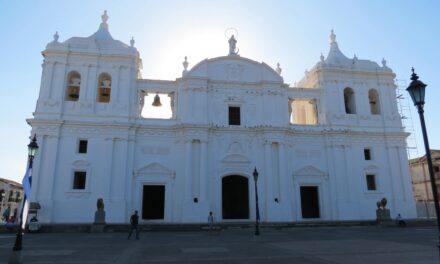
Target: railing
[13, 200]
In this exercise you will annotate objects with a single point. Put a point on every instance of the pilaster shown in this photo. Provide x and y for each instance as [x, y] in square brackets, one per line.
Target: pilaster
[203, 171]
[188, 170]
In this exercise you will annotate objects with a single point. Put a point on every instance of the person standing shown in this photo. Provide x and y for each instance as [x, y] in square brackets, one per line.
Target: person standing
[134, 224]
[7, 213]
[210, 220]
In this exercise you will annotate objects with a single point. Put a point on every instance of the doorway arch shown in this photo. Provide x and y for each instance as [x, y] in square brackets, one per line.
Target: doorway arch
[235, 197]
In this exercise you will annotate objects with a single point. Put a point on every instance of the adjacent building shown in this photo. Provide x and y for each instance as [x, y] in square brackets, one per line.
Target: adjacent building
[11, 195]
[327, 148]
[421, 182]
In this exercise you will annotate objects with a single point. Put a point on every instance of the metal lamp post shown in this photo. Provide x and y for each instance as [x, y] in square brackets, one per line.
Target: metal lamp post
[417, 91]
[32, 151]
[257, 210]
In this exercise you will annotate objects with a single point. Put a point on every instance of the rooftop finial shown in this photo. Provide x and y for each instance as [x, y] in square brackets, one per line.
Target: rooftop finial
[279, 68]
[321, 57]
[185, 66]
[132, 42]
[384, 62]
[332, 37]
[414, 76]
[104, 17]
[55, 37]
[185, 63]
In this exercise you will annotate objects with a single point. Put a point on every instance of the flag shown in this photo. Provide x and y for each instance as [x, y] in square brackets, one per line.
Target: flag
[27, 180]
[25, 213]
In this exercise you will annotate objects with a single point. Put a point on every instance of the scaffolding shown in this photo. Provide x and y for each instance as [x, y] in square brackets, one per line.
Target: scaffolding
[404, 104]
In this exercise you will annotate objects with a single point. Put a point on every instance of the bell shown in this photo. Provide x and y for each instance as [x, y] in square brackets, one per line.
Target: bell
[156, 101]
[74, 93]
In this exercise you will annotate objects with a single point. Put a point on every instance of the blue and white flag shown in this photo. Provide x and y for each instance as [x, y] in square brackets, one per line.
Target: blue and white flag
[27, 179]
[25, 213]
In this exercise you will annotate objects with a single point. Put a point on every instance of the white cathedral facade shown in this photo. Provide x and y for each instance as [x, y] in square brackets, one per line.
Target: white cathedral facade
[327, 149]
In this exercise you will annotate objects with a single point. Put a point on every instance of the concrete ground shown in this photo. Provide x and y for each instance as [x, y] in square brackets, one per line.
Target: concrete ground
[314, 245]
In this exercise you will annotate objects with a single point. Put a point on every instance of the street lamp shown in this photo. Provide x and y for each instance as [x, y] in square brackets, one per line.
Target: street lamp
[257, 210]
[417, 91]
[15, 257]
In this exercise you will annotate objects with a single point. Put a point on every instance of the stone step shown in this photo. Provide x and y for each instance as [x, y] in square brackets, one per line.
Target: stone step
[124, 227]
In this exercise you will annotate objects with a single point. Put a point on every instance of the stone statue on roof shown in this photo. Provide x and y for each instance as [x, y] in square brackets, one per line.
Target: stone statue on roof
[233, 46]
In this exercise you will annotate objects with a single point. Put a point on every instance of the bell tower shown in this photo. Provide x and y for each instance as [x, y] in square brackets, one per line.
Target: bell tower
[356, 91]
[88, 76]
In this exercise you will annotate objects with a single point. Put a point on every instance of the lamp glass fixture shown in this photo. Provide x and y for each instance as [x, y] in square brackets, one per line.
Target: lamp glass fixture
[33, 147]
[416, 89]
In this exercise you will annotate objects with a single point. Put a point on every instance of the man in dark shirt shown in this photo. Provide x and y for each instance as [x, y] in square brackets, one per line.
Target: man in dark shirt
[134, 221]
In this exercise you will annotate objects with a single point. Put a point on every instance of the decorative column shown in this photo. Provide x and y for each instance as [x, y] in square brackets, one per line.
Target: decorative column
[118, 165]
[195, 171]
[47, 80]
[84, 83]
[284, 183]
[203, 171]
[333, 181]
[172, 105]
[347, 170]
[405, 176]
[389, 156]
[290, 111]
[188, 169]
[109, 166]
[130, 173]
[47, 182]
[267, 187]
[115, 85]
[141, 101]
[275, 148]
[58, 81]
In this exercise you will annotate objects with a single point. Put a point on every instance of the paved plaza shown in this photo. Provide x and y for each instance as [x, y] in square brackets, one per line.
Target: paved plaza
[314, 245]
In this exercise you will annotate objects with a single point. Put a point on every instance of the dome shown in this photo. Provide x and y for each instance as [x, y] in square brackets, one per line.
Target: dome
[234, 68]
[336, 58]
[101, 40]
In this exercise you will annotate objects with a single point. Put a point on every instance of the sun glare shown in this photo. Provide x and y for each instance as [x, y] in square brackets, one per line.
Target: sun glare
[198, 45]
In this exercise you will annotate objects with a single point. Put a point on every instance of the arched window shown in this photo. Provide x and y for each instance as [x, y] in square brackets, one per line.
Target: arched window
[2, 195]
[350, 105]
[104, 88]
[373, 98]
[73, 86]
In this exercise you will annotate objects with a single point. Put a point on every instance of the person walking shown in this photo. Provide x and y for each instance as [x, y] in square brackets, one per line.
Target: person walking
[134, 224]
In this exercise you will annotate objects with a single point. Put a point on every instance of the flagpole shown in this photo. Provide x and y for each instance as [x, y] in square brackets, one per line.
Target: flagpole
[19, 237]
[16, 250]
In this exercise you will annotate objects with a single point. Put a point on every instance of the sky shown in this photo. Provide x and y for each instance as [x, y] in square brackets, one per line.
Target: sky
[293, 33]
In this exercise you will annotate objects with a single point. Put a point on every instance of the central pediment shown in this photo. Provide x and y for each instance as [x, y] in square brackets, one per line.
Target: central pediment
[234, 68]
